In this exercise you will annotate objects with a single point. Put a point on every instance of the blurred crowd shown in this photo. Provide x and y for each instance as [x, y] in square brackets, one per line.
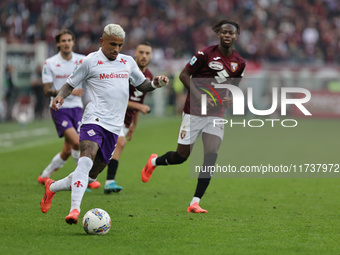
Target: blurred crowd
[296, 31]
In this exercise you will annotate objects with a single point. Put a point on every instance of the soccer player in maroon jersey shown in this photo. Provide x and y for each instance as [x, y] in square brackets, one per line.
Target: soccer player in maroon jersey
[143, 56]
[219, 64]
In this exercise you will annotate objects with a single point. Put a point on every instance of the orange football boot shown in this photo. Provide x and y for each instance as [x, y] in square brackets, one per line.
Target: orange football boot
[72, 217]
[148, 169]
[42, 180]
[94, 185]
[195, 208]
[46, 201]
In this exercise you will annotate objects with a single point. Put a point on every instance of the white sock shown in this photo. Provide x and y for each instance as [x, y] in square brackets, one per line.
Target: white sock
[107, 182]
[153, 161]
[75, 154]
[194, 200]
[63, 184]
[80, 179]
[56, 163]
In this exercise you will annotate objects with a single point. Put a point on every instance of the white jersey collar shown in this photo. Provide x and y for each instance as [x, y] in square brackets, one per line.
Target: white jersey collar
[103, 57]
[64, 60]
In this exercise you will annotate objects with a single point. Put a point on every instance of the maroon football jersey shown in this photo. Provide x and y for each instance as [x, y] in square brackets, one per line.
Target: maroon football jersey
[135, 96]
[209, 66]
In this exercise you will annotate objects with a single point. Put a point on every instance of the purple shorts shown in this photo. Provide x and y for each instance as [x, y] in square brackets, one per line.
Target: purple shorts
[66, 118]
[105, 140]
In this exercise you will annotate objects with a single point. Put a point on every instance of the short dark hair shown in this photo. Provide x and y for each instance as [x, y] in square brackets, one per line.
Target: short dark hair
[217, 26]
[147, 43]
[61, 32]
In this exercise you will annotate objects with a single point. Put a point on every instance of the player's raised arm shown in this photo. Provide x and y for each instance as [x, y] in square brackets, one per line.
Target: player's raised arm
[64, 92]
[158, 82]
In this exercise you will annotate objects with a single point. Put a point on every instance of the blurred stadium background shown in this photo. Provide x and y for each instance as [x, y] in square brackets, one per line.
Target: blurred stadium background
[286, 43]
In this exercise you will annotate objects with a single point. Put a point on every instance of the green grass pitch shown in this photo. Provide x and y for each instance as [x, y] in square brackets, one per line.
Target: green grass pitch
[255, 215]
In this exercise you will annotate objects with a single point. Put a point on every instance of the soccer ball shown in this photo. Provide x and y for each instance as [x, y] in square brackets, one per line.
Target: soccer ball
[97, 222]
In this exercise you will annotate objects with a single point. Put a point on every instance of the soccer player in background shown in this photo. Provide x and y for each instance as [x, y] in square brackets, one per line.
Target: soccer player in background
[143, 56]
[55, 71]
[106, 75]
[219, 63]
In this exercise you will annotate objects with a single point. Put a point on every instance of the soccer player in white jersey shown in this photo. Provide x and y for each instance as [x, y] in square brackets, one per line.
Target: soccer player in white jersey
[106, 75]
[67, 121]
[143, 55]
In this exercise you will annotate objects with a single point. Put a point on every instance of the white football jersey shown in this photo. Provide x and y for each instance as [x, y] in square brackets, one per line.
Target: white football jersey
[107, 85]
[56, 71]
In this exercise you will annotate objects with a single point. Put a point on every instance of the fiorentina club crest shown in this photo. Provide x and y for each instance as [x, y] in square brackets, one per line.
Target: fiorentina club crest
[233, 66]
[183, 134]
[78, 184]
[91, 132]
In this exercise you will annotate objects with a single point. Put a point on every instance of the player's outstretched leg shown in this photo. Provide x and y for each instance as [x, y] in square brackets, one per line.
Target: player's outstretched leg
[72, 217]
[195, 208]
[148, 169]
[46, 201]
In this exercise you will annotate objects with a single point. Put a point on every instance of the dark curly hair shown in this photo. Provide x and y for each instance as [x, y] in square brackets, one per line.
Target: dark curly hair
[217, 26]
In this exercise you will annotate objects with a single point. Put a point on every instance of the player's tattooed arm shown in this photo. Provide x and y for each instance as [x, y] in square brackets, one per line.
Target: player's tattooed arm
[78, 92]
[64, 92]
[158, 82]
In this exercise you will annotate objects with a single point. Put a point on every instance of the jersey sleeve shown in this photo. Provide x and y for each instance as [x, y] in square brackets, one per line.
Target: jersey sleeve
[80, 73]
[47, 75]
[149, 76]
[196, 62]
[136, 77]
